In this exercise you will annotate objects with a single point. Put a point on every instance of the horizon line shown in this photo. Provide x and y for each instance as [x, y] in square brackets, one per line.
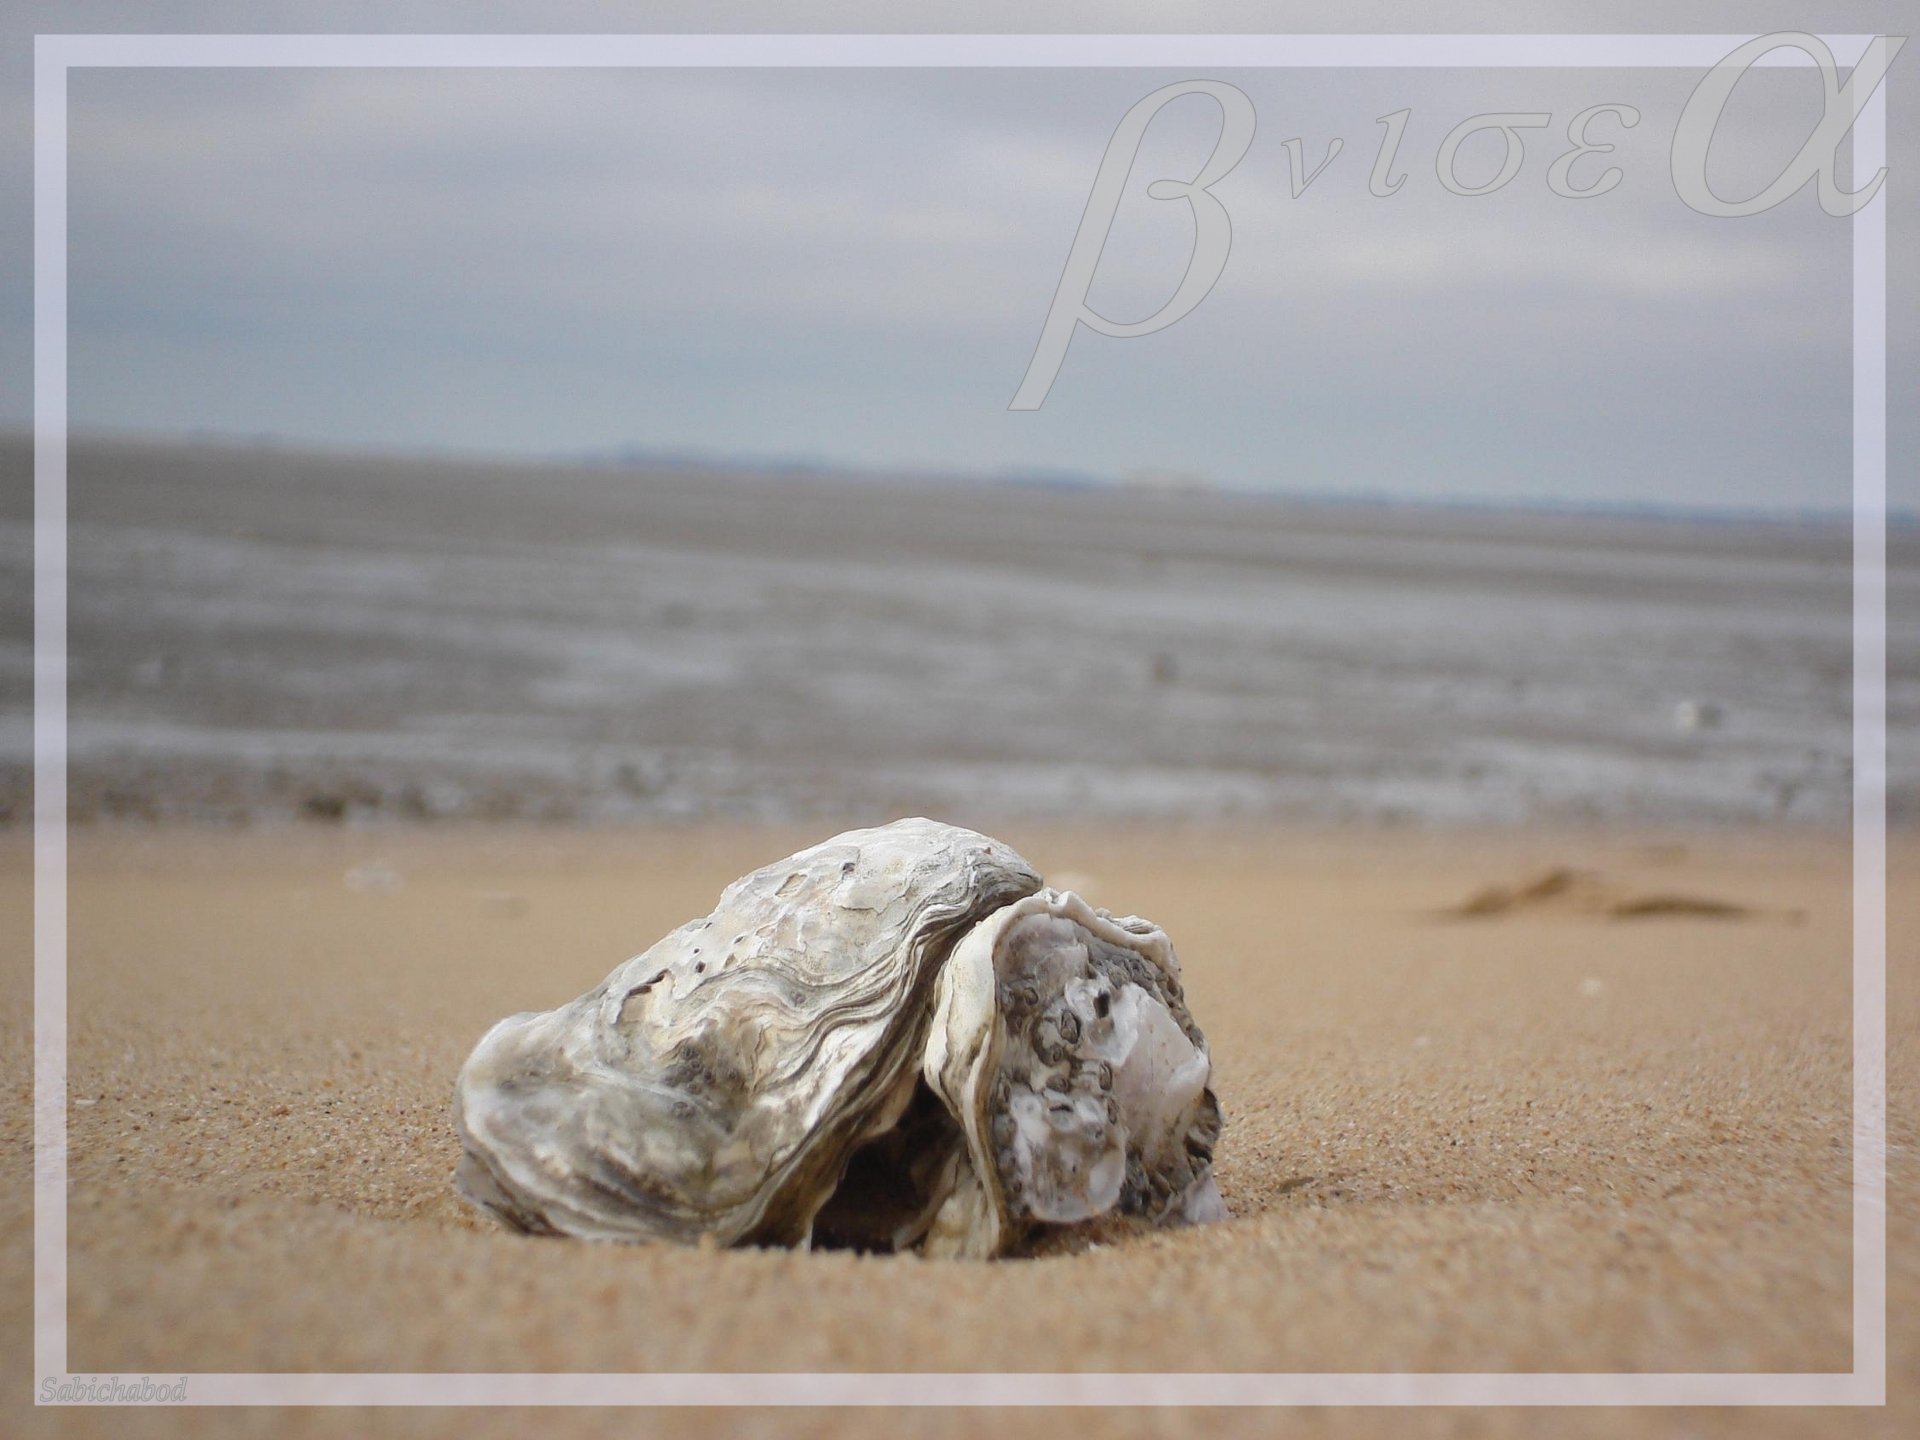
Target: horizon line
[1163, 481]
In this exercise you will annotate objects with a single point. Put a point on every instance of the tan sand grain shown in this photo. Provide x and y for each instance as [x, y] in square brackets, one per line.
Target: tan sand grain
[1547, 1140]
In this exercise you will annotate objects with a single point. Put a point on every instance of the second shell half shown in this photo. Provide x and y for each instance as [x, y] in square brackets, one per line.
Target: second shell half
[897, 1039]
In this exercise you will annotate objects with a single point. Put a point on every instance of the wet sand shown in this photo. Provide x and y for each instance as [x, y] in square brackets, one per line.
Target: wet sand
[1578, 1131]
[259, 633]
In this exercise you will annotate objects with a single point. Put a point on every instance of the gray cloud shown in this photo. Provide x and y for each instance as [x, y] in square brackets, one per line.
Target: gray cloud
[855, 266]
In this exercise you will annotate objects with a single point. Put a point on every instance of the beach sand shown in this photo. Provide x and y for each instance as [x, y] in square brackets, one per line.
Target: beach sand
[1552, 1138]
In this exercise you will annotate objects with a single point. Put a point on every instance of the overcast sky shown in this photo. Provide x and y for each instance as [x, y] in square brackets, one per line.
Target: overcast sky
[853, 267]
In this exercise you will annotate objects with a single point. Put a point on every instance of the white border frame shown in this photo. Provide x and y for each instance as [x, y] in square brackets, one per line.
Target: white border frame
[54, 55]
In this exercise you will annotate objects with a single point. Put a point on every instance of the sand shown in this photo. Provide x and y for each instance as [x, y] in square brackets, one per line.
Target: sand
[1556, 1137]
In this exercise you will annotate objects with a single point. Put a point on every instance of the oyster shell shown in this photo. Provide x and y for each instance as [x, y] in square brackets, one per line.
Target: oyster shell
[1062, 1042]
[896, 1038]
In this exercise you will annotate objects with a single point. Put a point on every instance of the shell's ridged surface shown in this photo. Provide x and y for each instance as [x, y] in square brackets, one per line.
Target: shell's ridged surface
[896, 1038]
[719, 1083]
[1062, 1041]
